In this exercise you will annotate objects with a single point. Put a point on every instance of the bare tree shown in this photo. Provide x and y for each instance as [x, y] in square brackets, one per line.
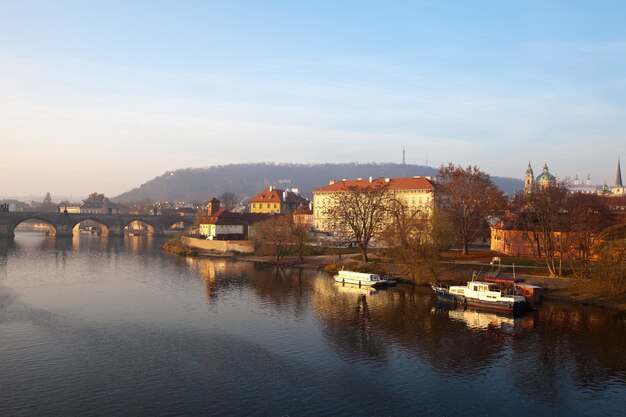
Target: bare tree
[468, 197]
[358, 213]
[274, 236]
[95, 198]
[229, 200]
[416, 238]
[47, 205]
[588, 217]
[543, 213]
[611, 264]
[301, 233]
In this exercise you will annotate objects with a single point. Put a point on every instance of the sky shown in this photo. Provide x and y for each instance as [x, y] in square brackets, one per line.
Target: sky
[106, 95]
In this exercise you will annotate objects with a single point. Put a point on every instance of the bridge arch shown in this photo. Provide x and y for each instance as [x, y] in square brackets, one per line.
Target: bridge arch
[90, 225]
[140, 226]
[170, 224]
[39, 223]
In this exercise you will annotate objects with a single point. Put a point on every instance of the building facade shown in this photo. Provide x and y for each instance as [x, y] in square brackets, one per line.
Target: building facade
[276, 201]
[417, 193]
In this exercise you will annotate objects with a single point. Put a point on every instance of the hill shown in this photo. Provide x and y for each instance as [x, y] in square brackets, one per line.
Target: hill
[247, 180]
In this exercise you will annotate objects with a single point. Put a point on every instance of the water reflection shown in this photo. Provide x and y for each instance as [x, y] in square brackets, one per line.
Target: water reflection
[314, 339]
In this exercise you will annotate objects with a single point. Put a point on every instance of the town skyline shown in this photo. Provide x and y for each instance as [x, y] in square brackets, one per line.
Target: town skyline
[112, 95]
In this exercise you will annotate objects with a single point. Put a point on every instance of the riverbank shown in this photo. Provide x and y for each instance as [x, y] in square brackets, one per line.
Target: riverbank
[559, 289]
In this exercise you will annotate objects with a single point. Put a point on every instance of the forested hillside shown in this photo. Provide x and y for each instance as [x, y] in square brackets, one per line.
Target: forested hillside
[247, 180]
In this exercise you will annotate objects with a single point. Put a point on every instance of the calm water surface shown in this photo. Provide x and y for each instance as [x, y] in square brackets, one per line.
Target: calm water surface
[92, 326]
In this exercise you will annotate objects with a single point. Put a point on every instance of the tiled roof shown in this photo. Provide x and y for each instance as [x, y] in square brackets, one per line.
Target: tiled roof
[415, 183]
[276, 195]
[303, 210]
[223, 216]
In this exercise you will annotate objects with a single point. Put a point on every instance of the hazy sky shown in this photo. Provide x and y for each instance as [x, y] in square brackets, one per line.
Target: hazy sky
[105, 95]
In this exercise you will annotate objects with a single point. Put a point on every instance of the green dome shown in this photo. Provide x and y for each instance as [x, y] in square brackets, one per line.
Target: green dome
[545, 176]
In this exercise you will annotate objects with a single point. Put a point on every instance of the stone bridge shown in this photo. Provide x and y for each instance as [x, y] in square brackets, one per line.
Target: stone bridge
[64, 223]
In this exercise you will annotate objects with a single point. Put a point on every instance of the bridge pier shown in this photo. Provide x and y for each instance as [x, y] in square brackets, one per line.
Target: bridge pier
[7, 230]
[63, 230]
[113, 231]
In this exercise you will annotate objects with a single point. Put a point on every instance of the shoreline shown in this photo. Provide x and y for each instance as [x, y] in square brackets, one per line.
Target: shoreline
[567, 290]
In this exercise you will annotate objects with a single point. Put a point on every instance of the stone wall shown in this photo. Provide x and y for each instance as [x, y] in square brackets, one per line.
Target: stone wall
[245, 246]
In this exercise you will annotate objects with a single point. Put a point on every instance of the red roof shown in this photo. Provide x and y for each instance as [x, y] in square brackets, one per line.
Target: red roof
[223, 216]
[415, 183]
[303, 210]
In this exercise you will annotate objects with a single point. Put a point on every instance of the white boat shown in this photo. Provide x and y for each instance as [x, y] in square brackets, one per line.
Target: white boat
[482, 294]
[361, 279]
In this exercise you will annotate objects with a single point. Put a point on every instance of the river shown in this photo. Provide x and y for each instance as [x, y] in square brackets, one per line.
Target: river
[97, 326]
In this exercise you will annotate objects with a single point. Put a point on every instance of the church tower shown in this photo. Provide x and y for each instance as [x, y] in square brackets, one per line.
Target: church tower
[529, 179]
[618, 189]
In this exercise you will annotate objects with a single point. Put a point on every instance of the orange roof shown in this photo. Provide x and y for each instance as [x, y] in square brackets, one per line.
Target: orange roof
[276, 195]
[415, 183]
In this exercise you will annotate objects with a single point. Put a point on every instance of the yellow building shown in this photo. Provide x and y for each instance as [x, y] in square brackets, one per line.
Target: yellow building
[273, 200]
[416, 193]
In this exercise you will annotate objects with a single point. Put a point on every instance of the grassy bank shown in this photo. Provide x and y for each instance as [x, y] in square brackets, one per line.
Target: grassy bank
[177, 247]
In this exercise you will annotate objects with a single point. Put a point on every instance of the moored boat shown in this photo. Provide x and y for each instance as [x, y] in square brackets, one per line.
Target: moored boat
[361, 279]
[481, 294]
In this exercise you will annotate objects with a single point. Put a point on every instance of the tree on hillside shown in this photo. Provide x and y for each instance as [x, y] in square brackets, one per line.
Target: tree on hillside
[358, 214]
[469, 198]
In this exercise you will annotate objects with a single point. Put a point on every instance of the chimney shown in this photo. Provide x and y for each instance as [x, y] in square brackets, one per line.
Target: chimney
[331, 182]
[419, 176]
[343, 179]
[386, 179]
[285, 195]
[428, 177]
[359, 179]
[271, 188]
[295, 191]
[370, 179]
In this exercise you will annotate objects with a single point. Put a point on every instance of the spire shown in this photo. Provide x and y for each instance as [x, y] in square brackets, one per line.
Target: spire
[403, 160]
[618, 177]
[529, 170]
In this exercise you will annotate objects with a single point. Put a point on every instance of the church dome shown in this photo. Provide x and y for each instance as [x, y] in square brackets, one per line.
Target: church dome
[545, 175]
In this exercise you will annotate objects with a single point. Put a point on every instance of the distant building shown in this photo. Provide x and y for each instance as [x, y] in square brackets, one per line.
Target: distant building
[583, 187]
[417, 193]
[304, 215]
[618, 189]
[99, 207]
[274, 201]
[221, 224]
[543, 180]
